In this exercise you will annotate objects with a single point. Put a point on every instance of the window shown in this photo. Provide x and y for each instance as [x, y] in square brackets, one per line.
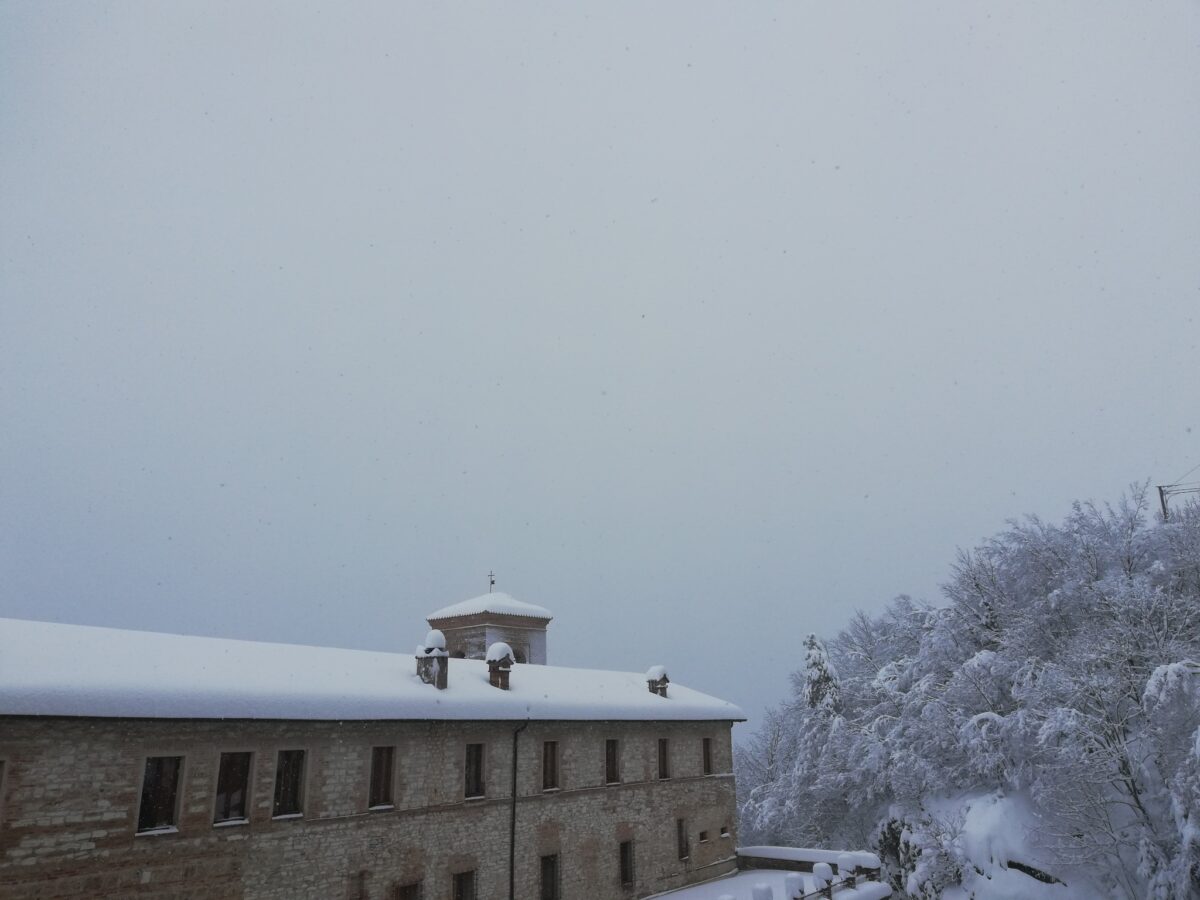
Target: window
[474, 781]
[664, 758]
[704, 837]
[464, 882]
[233, 785]
[681, 839]
[381, 777]
[549, 765]
[626, 858]
[160, 790]
[612, 761]
[724, 831]
[289, 783]
[706, 752]
[408, 892]
[550, 878]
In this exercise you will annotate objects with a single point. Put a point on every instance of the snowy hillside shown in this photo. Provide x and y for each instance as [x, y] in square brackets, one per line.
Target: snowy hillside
[1038, 736]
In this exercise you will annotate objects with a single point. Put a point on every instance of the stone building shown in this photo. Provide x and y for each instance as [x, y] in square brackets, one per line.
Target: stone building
[153, 765]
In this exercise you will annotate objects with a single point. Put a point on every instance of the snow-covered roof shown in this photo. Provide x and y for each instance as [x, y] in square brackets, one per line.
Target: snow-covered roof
[49, 669]
[497, 602]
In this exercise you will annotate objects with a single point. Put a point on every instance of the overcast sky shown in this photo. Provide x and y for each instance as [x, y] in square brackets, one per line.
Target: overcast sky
[702, 324]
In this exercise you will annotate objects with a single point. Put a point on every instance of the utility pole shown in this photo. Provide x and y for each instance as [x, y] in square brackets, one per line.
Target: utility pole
[1166, 491]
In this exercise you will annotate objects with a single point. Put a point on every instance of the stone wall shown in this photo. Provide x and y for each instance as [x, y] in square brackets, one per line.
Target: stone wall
[70, 792]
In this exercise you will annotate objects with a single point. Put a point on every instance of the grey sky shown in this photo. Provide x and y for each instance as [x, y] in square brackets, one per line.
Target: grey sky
[702, 324]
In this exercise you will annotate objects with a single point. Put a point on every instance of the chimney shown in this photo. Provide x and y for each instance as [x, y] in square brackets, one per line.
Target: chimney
[433, 660]
[657, 680]
[499, 662]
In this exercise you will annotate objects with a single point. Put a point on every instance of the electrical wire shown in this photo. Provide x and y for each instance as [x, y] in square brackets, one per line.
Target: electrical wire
[1187, 473]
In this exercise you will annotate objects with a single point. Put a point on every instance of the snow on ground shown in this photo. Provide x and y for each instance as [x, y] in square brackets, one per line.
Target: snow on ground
[497, 602]
[995, 830]
[80, 670]
[741, 887]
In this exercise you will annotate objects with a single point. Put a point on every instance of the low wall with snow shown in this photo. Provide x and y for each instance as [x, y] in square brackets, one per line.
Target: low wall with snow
[800, 859]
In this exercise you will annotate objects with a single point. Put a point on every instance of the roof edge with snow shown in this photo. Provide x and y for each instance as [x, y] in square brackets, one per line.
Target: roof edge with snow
[49, 669]
[497, 603]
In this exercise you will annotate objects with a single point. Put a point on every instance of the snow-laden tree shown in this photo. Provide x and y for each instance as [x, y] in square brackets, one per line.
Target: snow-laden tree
[1062, 667]
[819, 686]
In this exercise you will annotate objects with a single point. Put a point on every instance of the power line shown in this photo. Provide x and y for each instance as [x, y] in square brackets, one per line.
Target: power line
[1187, 473]
[1171, 490]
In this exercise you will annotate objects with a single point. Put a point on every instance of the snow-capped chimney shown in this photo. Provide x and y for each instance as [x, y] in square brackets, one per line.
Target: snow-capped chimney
[433, 661]
[657, 680]
[500, 663]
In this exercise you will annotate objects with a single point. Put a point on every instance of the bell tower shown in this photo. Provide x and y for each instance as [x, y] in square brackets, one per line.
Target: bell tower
[474, 625]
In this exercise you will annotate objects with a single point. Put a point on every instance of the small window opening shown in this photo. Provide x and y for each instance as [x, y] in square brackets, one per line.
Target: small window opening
[626, 863]
[681, 838]
[549, 765]
[550, 881]
[664, 758]
[160, 791]
[382, 769]
[464, 886]
[233, 784]
[474, 776]
[289, 783]
[706, 748]
[612, 761]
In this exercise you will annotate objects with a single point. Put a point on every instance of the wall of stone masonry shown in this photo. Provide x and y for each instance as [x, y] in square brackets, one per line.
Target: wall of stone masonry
[70, 791]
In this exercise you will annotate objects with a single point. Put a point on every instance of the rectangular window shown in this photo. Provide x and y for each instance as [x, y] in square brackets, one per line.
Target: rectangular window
[549, 765]
[289, 783]
[474, 780]
[612, 761]
[707, 754]
[233, 786]
[381, 777]
[464, 882]
[704, 837]
[664, 758]
[626, 857]
[408, 892]
[724, 831]
[160, 791]
[681, 838]
[550, 878]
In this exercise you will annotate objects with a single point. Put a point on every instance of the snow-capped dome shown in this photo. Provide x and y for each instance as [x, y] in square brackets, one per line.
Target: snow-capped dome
[497, 602]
